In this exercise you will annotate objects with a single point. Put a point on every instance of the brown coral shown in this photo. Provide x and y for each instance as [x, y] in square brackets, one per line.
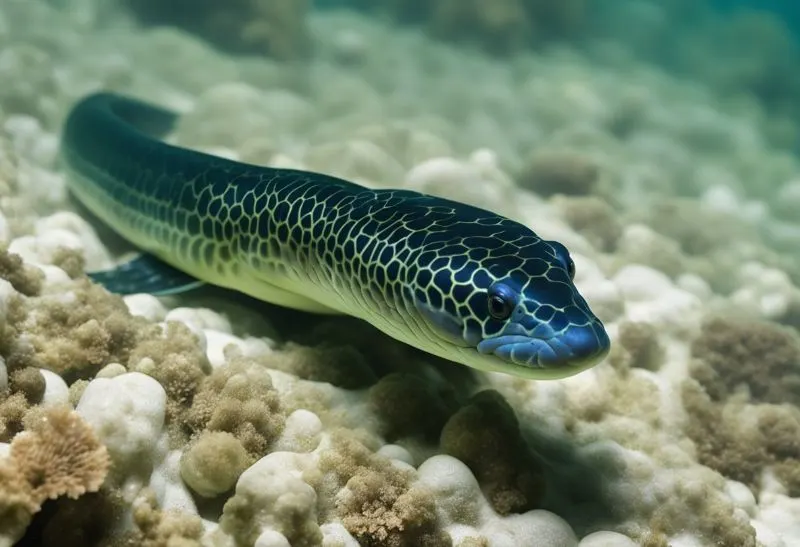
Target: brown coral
[721, 443]
[639, 346]
[738, 450]
[172, 356]
[16, 502]
[164, 528]
[484, 434]
[407, 405]
[78, 333]
[239, 398]
[29, 382]
[763, 356]
[25, 279]
[58, 455]
[213, 463]
[12, 410]
[382, 506]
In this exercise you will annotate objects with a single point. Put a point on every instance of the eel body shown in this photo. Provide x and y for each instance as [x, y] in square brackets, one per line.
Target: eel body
[453, 280]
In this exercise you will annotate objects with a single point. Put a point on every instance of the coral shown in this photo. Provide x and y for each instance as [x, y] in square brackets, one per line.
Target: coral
[764, 357]
[485, 435]
[651, 297]
[780, 429]
[639, 244]
[172, 356]
[302, 432]
[25, 279]
[57, 455]
[128, 413]
[696, 505]
[163, 528]
[741, 450]
[239, 398]
[639, 346]
[377, 501]
[408, 406]
[272, 498]
[29, 382]
[549, 172]
[276, 27]
[378, 513]
[72, 261]
[78, 332]
[380, 355]
[629, 393]
[594, 219]
[12, 409]
[213, 462]
[721, 443]
[17, 505]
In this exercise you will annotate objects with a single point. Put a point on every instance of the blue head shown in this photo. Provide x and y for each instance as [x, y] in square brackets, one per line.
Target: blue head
[502, 299]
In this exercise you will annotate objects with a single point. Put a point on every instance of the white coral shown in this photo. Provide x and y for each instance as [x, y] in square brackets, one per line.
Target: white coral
[127, 413]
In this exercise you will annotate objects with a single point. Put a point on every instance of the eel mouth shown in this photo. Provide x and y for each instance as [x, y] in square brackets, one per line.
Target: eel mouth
[578, 347]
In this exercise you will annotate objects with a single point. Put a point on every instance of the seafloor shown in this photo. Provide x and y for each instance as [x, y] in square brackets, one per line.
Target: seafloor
[209, 419]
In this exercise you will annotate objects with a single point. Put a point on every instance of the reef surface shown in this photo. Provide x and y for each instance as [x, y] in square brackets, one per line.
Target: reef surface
[209, 419]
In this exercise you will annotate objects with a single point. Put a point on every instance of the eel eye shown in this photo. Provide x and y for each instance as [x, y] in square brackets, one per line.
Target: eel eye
[500, 306]
[571, 268]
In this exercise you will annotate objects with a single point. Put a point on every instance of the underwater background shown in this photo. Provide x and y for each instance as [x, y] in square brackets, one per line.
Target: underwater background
[658, 140]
